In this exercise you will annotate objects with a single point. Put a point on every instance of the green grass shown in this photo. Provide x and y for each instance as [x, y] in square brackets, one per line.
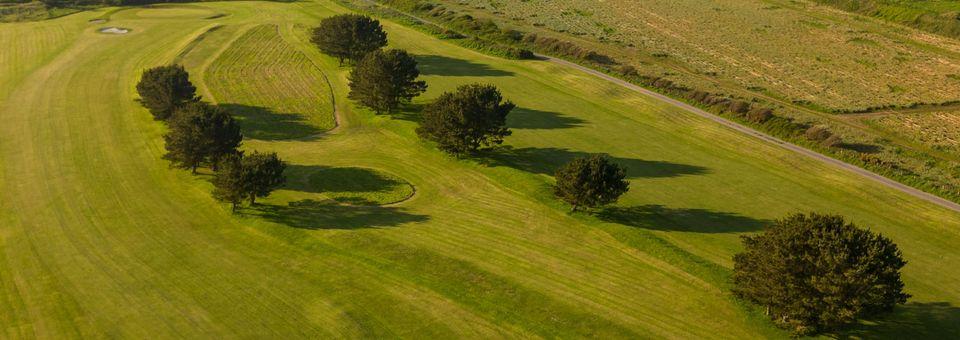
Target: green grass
[275, 90]
[100, 238]
[357, 186]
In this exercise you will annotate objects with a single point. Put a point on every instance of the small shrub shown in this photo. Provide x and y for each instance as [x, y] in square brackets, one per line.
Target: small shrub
[817, 133]
[760, 115]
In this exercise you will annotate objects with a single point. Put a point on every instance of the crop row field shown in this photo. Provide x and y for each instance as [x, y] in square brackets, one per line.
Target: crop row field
[377, 234]
[792, 50]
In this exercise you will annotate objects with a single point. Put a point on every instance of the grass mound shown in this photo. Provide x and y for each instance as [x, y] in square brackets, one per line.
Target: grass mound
[275, 91]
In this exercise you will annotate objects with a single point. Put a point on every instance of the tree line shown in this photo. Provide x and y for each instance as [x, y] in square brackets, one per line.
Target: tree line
[461, 122]
[199, 133]
[810, 273]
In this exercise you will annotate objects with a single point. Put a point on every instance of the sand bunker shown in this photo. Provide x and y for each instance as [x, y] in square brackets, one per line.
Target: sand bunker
[114, 30]
[98, 21]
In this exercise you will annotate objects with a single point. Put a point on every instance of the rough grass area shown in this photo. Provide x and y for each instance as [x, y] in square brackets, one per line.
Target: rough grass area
[940, 130]
[790, 50]
[99, 238]
[277, 92]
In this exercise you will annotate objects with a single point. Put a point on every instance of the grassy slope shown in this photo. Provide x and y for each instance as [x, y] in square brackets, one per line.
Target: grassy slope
[100, 238]
[277, 92]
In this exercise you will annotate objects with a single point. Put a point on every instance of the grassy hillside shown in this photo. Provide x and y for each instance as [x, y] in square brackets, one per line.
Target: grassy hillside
[99, 238]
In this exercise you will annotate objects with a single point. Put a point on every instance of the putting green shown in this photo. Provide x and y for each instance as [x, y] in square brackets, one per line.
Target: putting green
[100, 238]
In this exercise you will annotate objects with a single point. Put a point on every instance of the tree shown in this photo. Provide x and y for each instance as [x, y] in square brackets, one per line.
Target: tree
[242, 177]
[228, 181]
[184, 141]
[262, 173]
[591, 182]
[349, 36]
[461, 122]
[815, 273]
[221, 133]
[384, 79]
[200, 132]
[165, 88]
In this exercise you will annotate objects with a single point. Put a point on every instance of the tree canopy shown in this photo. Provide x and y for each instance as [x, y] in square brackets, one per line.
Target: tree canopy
[349, 36]
[385, 79]
[165, 88]
[463, 121]
[228, 181]
[815, 273]
[590, 182]
[262, 173]
[242, 177]
[200, 132]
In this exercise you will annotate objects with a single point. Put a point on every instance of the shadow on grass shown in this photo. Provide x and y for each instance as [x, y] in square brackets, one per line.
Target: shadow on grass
[915, 320]
[262, 123]
[411, 112]
[521, 118]
[547, 160]
[445, 66]
[860, 147]
[311, 214]
[319, 179]
[658, 217]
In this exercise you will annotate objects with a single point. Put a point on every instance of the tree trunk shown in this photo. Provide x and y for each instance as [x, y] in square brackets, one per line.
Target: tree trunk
[234, 207]
[573, 208]
[193, 169]
[253, 199]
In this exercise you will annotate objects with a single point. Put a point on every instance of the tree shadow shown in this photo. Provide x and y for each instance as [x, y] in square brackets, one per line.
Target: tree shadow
[547, 160]
[320, 179]
[860, 147]
[658, 217]
[312, 214]
[262, 123]
[914, 320]
[445, 66]
[410, 112]
[521, 118]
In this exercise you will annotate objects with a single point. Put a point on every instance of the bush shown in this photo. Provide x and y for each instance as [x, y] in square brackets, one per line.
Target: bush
[817, 133]
[163, 89]
[814, 273]
[463, 121]
[739, 107]
[590, 182]
[759, 115]
[349, 36]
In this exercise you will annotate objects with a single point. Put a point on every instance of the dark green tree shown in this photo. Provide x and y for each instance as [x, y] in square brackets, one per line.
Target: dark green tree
[262, 173]
[463, 121]
[590, 182]
[184, 141]
[222, 134]
[385, 79]
[200, 132]
[815, 273]
[349, 36]
[165, 88]
[228, 181]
